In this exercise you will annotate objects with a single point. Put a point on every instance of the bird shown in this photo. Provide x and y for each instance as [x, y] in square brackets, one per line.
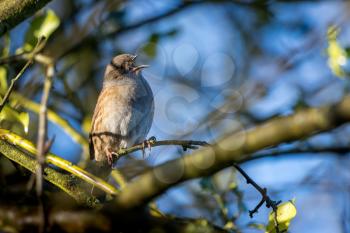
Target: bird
[124, 110]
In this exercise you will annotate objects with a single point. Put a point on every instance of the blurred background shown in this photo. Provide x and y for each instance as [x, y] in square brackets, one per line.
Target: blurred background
[215, 67]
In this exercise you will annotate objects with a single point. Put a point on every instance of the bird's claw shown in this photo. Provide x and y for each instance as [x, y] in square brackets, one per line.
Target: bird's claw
[149, 142]
[111, 155]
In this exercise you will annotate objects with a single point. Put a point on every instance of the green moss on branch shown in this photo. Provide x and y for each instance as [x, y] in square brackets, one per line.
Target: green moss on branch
[65, 182]
[12, 12]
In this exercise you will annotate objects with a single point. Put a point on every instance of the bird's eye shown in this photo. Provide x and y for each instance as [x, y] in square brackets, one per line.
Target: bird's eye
[129, 65]
[126, 66]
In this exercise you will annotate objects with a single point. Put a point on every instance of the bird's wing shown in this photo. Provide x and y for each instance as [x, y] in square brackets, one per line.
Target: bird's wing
[91, 143]
[91, 148]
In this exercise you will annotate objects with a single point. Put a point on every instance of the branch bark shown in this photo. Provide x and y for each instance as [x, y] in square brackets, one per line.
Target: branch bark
[61, 220]
[63, 181]
[229, 149]
[28, 147]
[185, 144]
[12, 12]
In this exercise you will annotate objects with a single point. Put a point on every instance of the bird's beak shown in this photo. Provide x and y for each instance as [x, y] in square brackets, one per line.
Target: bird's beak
[137, 68]
[134, 57]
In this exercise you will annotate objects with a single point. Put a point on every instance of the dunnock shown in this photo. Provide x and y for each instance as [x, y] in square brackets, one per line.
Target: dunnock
[124, 111]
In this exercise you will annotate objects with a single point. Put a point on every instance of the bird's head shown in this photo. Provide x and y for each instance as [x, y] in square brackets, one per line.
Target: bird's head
[124, 64]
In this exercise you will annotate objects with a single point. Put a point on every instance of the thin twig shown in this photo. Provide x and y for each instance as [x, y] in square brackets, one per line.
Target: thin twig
[86, 34]
[276, 152]
[170, 12]
[152, 142]
[13, 81]
[31, 56]
[41, 144]
[264, 199]
[42, 129]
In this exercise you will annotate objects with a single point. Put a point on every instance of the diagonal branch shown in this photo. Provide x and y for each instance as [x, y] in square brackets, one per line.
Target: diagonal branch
[58, 120]
[12, 12]
[232, 148]
[27, 146]
[63, 181]
[31, 56]
[73, 43]
[182, 6]
[12, 85]
[264, 197]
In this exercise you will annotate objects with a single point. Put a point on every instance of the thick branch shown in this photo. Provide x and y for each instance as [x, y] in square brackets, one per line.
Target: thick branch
[29, 147]
[93, 221]
[232, 148]
[63, 181]
[12, 12]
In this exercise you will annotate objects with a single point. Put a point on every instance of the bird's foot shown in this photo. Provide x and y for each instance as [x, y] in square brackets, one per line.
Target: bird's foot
[110, 155]
[149, 142]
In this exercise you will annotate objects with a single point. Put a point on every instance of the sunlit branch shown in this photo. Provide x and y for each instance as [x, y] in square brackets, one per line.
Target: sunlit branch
[58, 120]
[62, 181]
[26, 145]
[234, 147]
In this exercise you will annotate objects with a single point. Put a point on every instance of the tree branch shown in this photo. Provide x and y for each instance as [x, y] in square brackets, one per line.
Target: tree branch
[65, 182]
[61, 220]
[59, 121]
[73, 43]
[274, 152]
[264, 197]
[42, 128]
[14, 140]
[38, 47]
[12, 12]
[173, 11]
[152, 142]
[12, 85]
[231, 148]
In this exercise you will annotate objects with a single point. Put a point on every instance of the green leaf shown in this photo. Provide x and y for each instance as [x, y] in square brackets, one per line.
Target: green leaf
[285, 213]
[336, 54]
[229, 226]
[11, 115]
[41, 26]
[150, 49]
